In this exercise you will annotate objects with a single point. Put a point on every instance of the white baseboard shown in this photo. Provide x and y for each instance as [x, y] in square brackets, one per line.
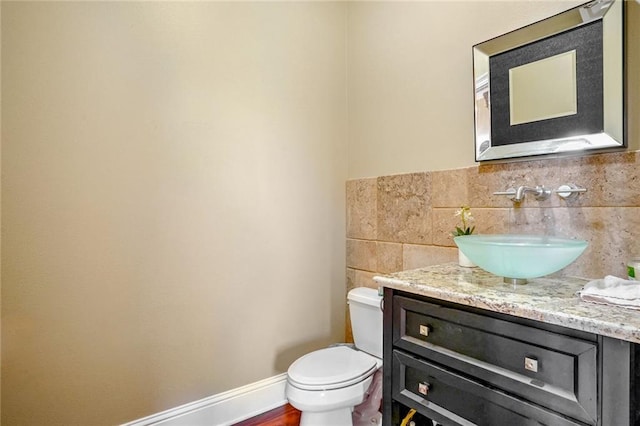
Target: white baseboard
[225, 408]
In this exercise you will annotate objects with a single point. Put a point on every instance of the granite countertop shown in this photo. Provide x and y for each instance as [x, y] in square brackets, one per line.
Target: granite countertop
[550, 300]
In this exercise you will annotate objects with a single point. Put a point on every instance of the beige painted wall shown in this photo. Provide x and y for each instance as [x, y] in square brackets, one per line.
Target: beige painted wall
[410, 82]
[173, 215]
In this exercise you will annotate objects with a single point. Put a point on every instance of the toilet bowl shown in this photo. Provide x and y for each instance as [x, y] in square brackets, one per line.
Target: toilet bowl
[326, 385]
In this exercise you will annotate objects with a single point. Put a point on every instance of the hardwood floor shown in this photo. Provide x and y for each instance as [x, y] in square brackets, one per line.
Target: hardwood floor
[281, 416]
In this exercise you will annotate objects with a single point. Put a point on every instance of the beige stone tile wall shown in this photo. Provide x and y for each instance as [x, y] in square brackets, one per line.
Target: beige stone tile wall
[404, 221]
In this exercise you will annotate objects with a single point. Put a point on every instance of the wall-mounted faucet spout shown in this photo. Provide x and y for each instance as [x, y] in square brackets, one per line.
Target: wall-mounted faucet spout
[540, 192]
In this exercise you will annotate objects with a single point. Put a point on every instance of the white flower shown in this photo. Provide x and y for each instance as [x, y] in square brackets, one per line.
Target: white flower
[465, 215]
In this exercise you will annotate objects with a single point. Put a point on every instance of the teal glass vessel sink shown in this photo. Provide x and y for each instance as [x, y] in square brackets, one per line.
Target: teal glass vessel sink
[519, 257]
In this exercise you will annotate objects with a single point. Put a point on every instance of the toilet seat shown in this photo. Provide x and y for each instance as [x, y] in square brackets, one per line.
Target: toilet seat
[331, 368]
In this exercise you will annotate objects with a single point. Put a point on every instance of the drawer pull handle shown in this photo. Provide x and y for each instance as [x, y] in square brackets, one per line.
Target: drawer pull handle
[423, 388]
[425, 329]
[531, 364]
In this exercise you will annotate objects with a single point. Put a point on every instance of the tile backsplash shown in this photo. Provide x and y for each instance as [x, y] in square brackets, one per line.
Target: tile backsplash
[405, 221]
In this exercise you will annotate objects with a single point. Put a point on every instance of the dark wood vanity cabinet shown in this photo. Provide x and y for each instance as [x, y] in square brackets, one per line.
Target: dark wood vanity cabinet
[462, 366]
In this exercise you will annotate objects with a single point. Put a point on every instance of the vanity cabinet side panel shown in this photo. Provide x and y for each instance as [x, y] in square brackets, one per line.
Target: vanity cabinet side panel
[617, 380]
[635, 385]
[388, 407]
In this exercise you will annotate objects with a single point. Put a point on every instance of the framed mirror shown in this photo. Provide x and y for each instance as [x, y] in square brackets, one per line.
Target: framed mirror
[552, 87]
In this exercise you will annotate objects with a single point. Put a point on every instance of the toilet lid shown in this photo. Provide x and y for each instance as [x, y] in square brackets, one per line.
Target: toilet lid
[334, 367]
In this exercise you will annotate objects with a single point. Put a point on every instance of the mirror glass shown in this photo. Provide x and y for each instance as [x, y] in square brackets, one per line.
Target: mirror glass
[552, 87]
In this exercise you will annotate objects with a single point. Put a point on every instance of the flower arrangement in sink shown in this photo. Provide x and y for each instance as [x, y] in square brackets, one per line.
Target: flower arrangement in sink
[465, 217]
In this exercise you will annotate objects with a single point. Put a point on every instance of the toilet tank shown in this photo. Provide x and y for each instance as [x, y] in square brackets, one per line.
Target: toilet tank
[366, 320]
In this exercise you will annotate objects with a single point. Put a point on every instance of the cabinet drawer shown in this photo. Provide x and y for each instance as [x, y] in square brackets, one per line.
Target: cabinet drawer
[547, 368]
[430, 388]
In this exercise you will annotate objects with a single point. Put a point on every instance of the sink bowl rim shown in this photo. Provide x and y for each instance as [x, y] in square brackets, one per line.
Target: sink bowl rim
[523, 240]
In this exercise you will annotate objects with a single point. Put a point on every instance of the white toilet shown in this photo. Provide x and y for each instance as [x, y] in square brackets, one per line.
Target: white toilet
[326, 384]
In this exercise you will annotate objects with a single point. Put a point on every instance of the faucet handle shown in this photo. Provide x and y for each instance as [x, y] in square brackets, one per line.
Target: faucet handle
[510, 192]
[569, 191]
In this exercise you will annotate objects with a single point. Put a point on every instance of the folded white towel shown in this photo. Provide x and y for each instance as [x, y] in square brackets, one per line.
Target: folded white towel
[612, 291]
